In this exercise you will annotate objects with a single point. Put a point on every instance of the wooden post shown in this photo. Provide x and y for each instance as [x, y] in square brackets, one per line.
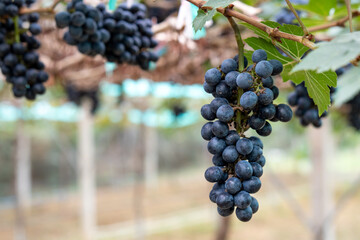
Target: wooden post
[86, 170]
[151, 156]
[223, 229]
[322, 151]
[139, 189]
[22, 180]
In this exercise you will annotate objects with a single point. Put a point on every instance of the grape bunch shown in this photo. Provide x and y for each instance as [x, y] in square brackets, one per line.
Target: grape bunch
[123, 36]
[243, 100]
[76, 96]
[306, 109]
[354, 113]
[19, 61]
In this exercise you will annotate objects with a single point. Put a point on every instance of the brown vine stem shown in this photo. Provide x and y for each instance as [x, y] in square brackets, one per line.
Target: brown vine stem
[41, 10]
[339, 23]
[273, 32]
[292, 9]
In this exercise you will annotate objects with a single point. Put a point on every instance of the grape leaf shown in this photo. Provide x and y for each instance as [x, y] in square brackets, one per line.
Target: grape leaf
[201, 18]
[295, 49]
[272, 52]
[317, 84]
[218, 3]
[348, 86]
[320, 7]
[332, 55]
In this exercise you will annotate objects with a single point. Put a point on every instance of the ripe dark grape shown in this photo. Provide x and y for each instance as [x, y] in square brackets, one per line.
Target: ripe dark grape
[233, 185]
[244, 80]
[244, 215]
[230, 154]
[123, 36]
[18, 60]
[264, 69]
[242, 100]
[259, 55]
[242, 199]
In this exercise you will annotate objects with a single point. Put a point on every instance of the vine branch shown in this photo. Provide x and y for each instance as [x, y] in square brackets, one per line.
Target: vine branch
[292, 9]
[41, 10]
[339, 23]
[348, 7]
[273, 32]
[239, 42]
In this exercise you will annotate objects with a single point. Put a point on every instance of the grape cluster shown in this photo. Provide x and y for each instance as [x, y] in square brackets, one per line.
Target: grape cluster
[76, 96]
[243, 100]
[306, 110]
[122, 36]
[354, 113]
[19, 61]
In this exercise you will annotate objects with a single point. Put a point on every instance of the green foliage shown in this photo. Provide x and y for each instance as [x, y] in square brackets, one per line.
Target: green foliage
[332, 55]
[294, 49]
[201, 18]
[348, 86]
[320, 7]
[218, 3]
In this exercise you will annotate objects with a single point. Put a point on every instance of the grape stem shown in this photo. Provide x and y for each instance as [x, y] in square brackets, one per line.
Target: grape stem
[275, 33]
[16, 29]
[348, 6]
[41, 10]
[239, 41]
[292, 9]
[339, 23]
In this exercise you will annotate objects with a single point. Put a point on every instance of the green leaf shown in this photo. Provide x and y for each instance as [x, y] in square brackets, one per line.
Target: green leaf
[272, 52]
[320, 7]
[332, 55]
[295, 49]
[201, 18]
[348, 86]
[218, 3]
[317, 84]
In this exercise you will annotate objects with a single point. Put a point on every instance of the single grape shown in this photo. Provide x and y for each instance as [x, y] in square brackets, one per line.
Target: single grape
[258, 56]
[243, 170]
[213, 174]
[244, 215]
[242, 200]
[248, 100]
[233, 185]
[244, 80]
[264, 69]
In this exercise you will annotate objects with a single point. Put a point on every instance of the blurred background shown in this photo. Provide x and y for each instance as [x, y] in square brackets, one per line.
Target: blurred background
[114, 152]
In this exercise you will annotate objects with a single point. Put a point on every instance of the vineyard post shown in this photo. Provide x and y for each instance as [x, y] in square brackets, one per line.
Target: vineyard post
[22, 180]
[139, 189]
[322, 151]
[86, 170]
[151, 156]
